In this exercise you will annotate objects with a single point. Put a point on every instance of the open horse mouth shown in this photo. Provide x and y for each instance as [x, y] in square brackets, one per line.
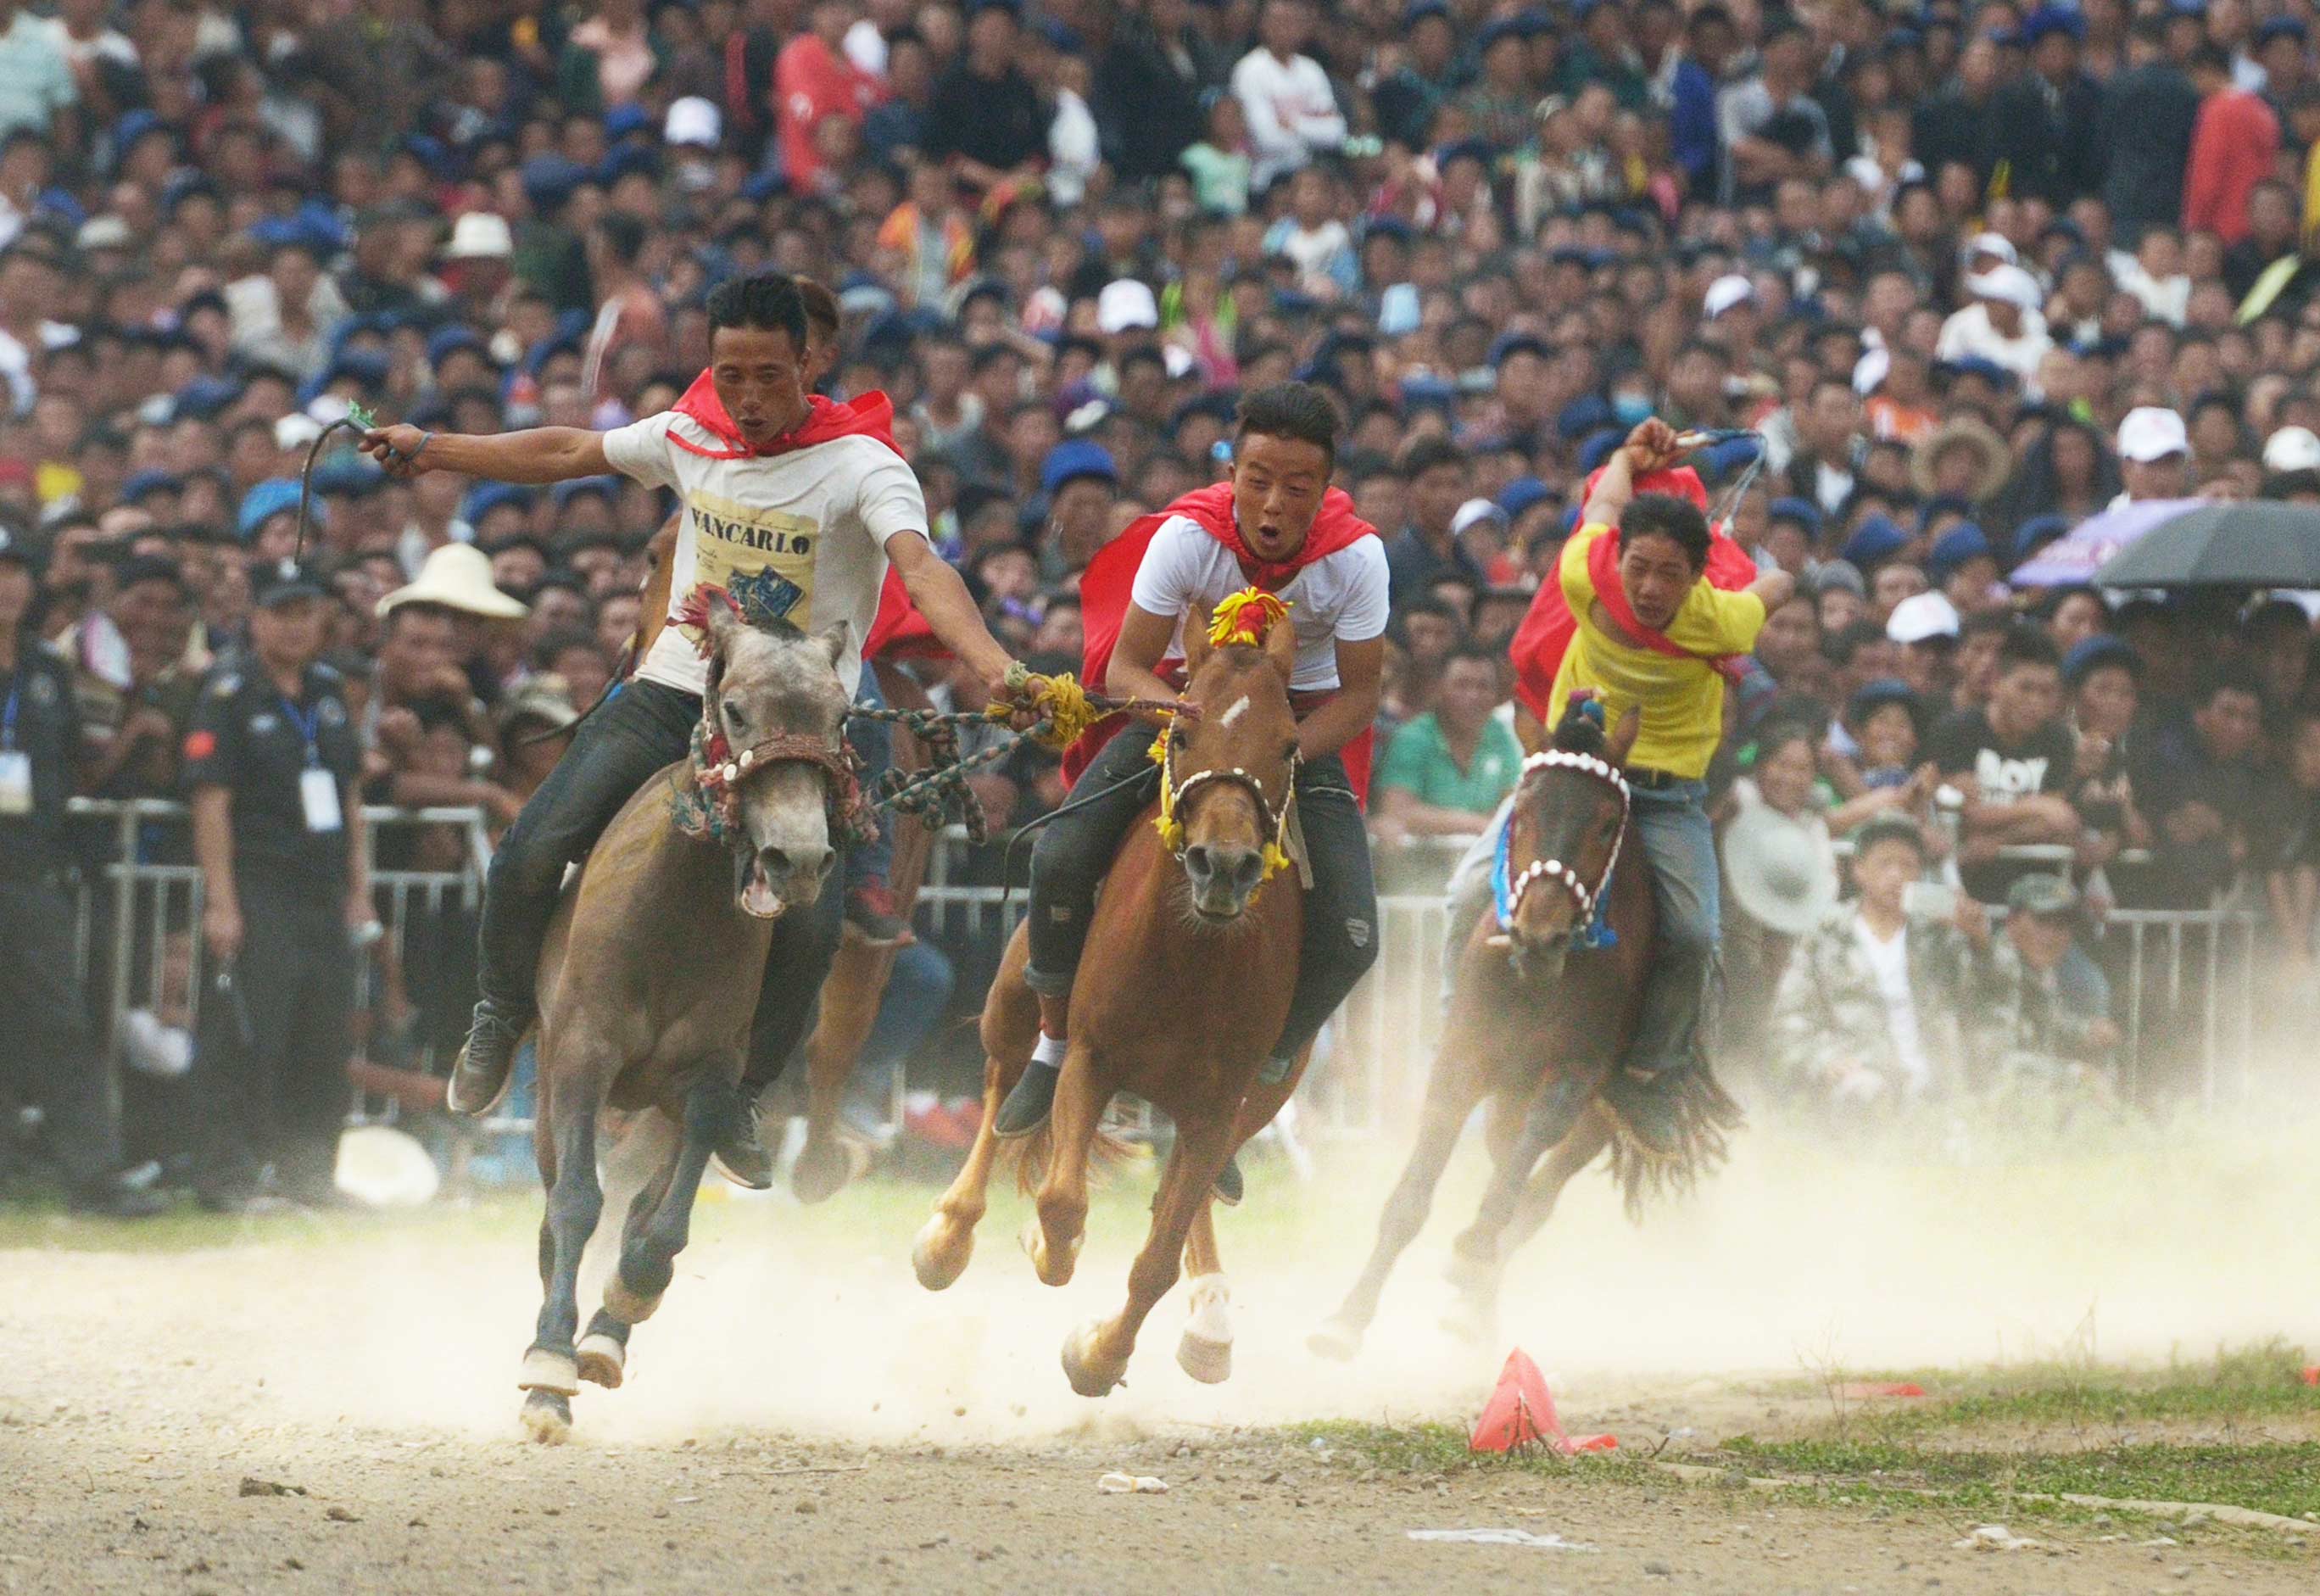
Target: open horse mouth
[754, 889]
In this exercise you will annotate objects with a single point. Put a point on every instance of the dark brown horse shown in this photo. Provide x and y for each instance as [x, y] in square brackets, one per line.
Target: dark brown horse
[650, 975]
[1180, 994]
[1538, 1020]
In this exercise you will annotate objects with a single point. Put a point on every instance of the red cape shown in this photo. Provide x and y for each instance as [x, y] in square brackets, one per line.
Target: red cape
[1544, 635]
[1110, 578]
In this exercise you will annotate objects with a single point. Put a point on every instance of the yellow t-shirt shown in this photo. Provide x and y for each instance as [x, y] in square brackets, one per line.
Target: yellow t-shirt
[1682, 699]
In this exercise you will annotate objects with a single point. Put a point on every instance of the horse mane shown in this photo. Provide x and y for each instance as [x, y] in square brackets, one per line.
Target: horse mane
[702, 600]
[1579, 732]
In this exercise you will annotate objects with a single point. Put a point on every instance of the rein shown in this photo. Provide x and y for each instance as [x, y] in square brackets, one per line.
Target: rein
[1174, 795]
[1509, 890]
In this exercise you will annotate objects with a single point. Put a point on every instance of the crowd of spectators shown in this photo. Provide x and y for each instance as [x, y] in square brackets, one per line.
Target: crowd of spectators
[1970, 273]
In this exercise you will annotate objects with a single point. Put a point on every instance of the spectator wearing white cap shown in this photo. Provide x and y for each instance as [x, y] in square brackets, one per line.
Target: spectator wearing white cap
[2003, 325]
[2291, 466]
[2154, 455]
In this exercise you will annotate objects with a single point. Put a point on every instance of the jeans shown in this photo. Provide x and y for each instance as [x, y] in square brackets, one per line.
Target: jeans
[871, 864]
[1679, 844]
[645, 728]
[1071, 854]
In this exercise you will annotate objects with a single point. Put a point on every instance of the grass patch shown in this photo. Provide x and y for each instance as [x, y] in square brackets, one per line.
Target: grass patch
[2262, 1380]
[2273, 1478]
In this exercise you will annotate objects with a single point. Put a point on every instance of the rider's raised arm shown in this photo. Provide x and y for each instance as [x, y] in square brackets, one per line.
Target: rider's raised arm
[538, 455]
[941, 596]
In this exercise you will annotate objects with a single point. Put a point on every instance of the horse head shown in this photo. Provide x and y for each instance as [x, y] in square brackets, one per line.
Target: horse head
[774, 698]
[1570, 816]
[1228, 771]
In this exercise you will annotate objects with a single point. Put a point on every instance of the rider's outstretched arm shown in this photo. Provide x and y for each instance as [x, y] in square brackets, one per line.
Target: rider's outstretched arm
[941, 596]
[539, 455]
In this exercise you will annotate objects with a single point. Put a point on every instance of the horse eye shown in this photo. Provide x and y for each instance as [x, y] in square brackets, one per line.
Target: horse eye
[1289, 750]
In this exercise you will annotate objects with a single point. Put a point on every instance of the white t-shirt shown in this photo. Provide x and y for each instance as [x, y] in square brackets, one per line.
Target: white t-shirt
[1889, 961]
[1291, 112]
[801, 535]
[1969, 332]
[1339, 596]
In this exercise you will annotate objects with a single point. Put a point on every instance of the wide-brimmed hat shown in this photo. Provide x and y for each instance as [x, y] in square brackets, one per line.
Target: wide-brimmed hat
[545, 698]
[1996, 461]
[1782, 871]
[457, 577]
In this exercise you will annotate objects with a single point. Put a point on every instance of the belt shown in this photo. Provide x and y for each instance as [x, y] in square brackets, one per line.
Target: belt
[1654, 780]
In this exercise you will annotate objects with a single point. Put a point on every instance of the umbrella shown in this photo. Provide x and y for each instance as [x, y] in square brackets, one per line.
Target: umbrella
[2259, 544]
[2072, 559]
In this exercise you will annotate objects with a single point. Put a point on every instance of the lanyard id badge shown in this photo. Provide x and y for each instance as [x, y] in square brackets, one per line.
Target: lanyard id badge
[15, 765]
[318, 792]
[318, 789]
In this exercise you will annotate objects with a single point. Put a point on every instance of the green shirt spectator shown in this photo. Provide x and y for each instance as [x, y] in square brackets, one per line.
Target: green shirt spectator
[1445, 771]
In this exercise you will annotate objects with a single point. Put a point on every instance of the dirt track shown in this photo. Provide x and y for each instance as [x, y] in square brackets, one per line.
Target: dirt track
[370, 1367]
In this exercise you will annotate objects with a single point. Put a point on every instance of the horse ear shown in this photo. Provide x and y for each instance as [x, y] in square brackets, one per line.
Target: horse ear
[1197, 620]
[833, 640]
[1623, 735]
[1280, 647]
[712, 612]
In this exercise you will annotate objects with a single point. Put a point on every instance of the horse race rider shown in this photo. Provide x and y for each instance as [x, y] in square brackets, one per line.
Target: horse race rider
[1278, 525]
[793, 504]
[1650, 626]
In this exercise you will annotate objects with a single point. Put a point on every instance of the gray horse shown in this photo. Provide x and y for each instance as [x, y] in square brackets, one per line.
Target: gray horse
[651, 971]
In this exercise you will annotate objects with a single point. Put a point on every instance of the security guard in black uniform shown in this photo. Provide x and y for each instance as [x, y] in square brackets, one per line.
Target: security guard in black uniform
[48, 1056]
[272, 763]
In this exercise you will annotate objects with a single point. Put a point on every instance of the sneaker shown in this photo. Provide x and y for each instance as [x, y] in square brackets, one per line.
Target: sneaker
[480, 1077]
[1229, 1189]
[742, 1155]
[871, 916]
[1644, 1101]
[1027, 1107]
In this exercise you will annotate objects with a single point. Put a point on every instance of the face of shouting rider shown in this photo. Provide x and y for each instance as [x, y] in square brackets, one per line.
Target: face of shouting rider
[761, 376]
[1277, 488]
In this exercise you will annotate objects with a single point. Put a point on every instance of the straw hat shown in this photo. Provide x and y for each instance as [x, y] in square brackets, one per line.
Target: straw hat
[1782, 871]
[386, 1168]
[457, 577]
[1996, 461]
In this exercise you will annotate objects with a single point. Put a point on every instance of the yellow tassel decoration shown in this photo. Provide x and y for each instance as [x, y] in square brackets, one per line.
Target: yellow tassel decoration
[1062, 703]
[1244, 617]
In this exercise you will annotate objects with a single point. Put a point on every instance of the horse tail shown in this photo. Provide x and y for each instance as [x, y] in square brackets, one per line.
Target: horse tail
[1107, 1154]
[1705, 1116]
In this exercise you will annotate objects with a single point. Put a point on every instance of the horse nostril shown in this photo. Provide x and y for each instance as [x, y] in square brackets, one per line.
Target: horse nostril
[1246, 870]
[776, 860]
[828, 862]
[1197, 863]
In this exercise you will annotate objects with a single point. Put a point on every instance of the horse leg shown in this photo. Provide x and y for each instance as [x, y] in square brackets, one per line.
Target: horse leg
[1010, 1023]
[604, 1349]
[649, 1255]
[1205, 1353]
[1053, 1238]
[1479, 1255]
[850, 1007]
[1448, 1105]
[1096, 1354]
[550, 1372]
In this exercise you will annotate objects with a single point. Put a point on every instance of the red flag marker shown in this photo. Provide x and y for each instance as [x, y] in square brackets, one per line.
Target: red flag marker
[1859, 1390]
[2312, 1374]
[1521, 1413]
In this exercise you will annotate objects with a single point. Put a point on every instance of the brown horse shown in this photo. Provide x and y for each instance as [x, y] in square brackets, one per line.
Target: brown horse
[1180, 994]
[650, 976]
[1537, 1022]
[856, 982]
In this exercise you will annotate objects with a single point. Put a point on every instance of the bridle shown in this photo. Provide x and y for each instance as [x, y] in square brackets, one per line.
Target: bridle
[1507, 891]
[719, 773]
[1174, 796]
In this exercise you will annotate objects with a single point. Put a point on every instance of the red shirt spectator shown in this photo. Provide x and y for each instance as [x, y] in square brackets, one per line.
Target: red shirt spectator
[812, 79]
[2234, 145]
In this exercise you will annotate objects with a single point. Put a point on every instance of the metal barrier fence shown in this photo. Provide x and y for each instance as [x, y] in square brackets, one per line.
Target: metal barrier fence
[138, 908]
[2184, 981]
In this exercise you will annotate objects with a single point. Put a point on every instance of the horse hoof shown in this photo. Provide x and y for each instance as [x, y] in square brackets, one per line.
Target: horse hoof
[1336, 1340]
[1471, 1323]
[1206, 1360]
[938, 1260]
[603, 1361]
[1089, 1379]
[627, 1306]
[820, 1171]
[547, 1417]
[1051, 1269]
[547, 1370]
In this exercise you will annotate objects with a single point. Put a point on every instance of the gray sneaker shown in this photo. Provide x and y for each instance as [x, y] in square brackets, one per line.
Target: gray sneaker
[480, 1077]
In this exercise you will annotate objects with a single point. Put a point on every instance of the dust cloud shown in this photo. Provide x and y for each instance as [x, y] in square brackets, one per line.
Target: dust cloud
[1799, 1259]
